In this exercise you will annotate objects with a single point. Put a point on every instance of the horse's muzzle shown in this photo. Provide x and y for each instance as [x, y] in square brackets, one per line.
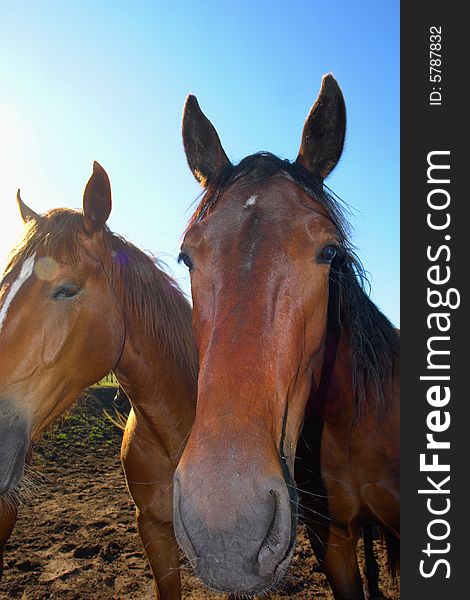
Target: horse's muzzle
[14, 442]
[245, 549]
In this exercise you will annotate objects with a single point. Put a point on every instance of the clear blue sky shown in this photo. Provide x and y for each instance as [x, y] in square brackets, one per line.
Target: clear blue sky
[106, 80]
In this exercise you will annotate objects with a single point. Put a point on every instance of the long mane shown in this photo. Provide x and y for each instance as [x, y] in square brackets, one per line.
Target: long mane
[146, 293]
[374, 340]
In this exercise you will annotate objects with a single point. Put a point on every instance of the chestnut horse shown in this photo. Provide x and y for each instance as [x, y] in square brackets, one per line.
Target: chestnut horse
[286, 336]
[76, 302]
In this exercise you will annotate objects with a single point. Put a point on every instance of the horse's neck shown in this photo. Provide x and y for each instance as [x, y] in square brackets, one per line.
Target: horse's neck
[333, 400]
[162, 391]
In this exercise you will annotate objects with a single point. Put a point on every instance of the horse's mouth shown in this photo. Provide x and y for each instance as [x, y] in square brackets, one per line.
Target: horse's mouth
[11, 475]
[246, 586]
[254, 592]
[14, 444]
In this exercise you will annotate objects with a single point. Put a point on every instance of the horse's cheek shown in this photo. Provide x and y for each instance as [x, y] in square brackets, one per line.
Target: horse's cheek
[53, 342]
[65, 337]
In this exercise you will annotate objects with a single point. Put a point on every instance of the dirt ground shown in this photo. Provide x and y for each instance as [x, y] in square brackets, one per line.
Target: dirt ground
[76, 538]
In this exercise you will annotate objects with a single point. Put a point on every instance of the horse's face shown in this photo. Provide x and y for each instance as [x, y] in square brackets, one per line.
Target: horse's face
[60, 329]
[259, 277]
[259, 273]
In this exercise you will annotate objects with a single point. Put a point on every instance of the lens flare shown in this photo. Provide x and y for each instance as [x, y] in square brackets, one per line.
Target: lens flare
[45, 268]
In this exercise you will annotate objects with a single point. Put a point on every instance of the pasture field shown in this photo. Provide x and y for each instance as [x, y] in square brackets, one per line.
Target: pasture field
[76, 537]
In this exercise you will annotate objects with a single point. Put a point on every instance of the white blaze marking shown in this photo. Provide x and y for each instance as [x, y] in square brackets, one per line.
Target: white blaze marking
[25, 273]
[251, 201]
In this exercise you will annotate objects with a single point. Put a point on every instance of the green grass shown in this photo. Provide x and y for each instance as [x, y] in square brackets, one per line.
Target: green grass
[81, 428]
[109, 381]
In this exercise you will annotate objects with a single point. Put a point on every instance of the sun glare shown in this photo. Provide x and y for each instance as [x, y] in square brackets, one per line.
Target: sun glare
[15, 148]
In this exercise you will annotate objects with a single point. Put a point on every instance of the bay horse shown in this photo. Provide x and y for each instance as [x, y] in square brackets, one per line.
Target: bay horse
[287, 338]
[76, 302]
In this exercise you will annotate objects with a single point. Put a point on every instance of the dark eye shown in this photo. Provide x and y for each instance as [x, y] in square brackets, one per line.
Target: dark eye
[66, 291]
[326, 255]
[184, 258]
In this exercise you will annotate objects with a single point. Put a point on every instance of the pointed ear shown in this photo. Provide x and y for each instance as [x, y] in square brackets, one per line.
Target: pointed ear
[204, 152]
[27, 214]
[324, 129]
[97, 199]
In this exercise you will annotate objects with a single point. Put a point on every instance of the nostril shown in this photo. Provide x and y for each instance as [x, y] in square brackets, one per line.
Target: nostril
[276, 542]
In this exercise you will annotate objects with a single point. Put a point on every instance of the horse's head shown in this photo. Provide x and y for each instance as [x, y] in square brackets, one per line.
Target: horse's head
[61, 326]
[259, 249]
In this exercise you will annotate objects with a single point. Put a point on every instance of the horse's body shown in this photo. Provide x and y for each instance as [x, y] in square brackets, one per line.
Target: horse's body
[286, 336]
[86, 303]
[348, 473]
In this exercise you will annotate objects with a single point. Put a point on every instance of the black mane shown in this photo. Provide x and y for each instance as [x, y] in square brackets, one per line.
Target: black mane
[374, 340]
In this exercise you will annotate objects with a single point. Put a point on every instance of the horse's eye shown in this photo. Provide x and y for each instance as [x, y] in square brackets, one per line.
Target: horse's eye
[327, 254]
[186, 260]
[66, 291]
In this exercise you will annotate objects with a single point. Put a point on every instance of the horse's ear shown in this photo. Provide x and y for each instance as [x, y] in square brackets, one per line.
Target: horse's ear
[324, 129]
[97, 199]
[204, 152]
[27, 214]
